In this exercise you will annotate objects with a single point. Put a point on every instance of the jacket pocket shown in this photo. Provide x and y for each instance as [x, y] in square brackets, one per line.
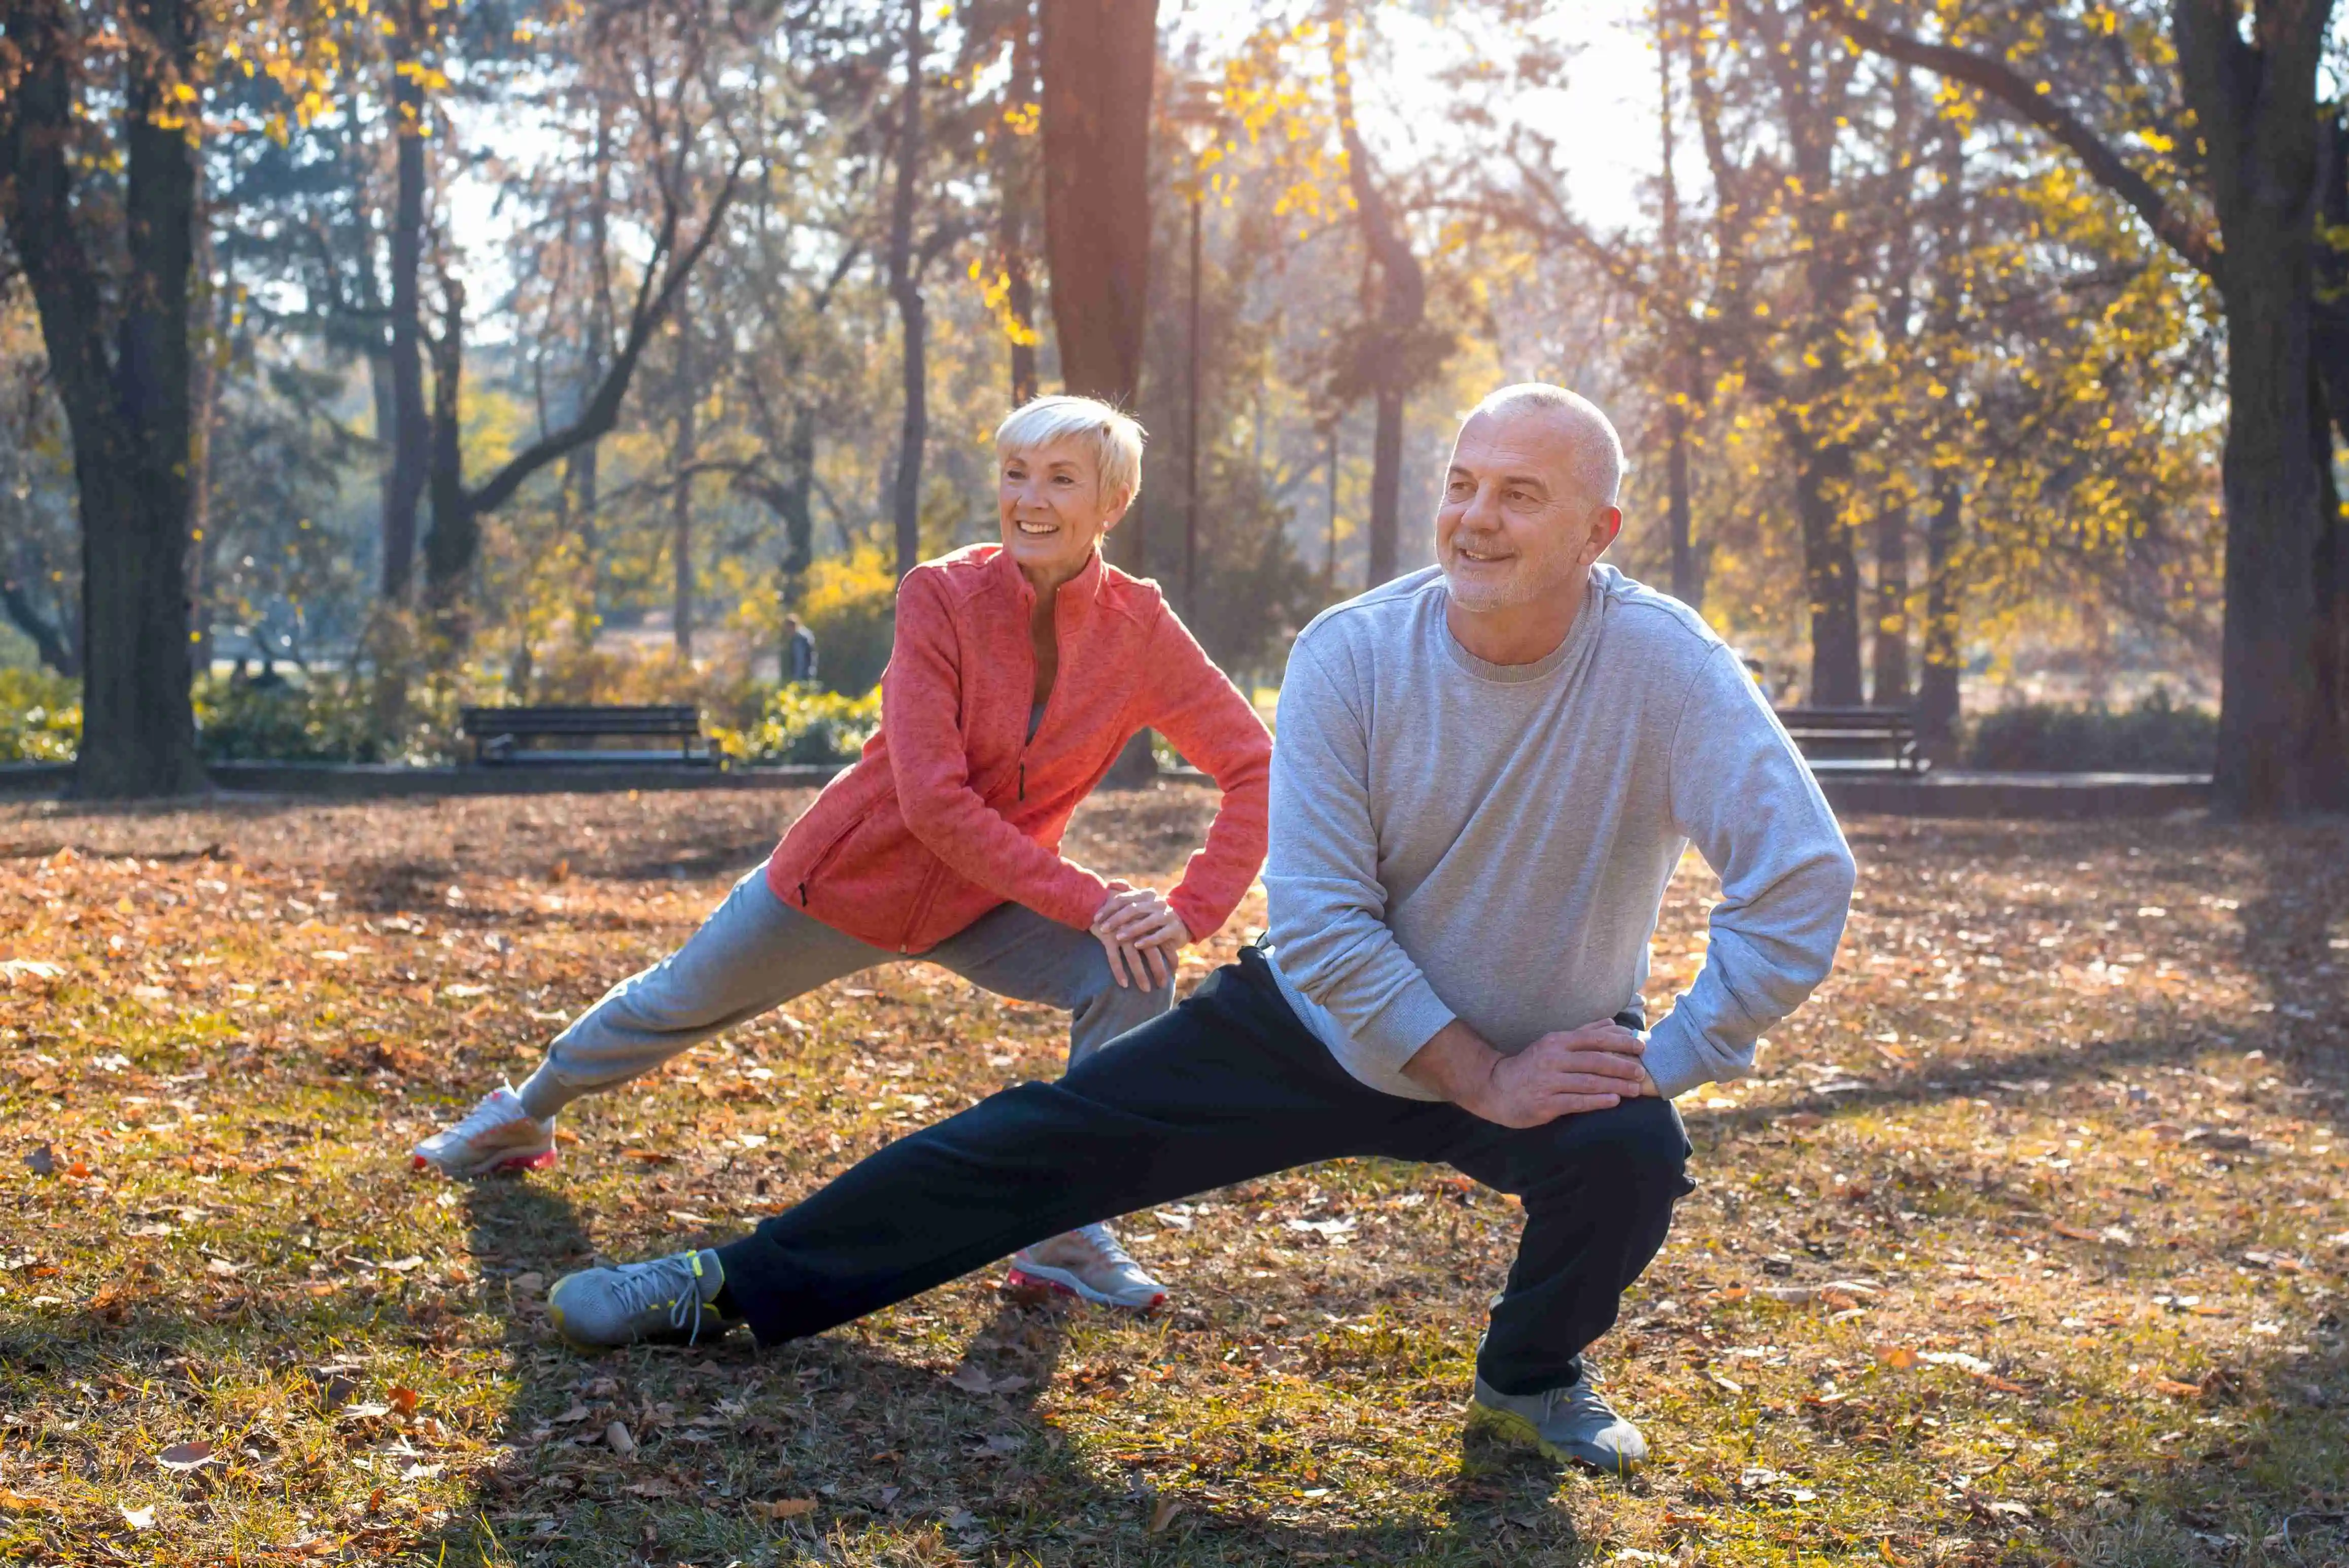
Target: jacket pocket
[831, 853]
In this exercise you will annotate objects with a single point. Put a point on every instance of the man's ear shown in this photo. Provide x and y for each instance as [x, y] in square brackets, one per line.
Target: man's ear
[1610, 524]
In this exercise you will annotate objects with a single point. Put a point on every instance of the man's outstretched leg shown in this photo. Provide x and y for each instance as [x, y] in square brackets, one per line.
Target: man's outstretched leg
[1015, 952]
[1226, 1088]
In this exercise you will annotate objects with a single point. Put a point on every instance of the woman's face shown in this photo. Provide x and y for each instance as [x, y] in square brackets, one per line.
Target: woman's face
[1052, 509]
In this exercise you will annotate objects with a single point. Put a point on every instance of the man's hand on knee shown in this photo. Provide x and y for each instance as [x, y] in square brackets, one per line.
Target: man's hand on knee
[1564, 1073]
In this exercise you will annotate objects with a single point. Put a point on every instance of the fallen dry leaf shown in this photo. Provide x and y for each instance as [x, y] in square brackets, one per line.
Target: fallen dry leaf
[403, 1400]
[137, 1518]
[18, 1502]
[2174, 1389]
[1164, 1513]
[617, 1438]
[782, 1508]
[43, 1161]
[977, 1380]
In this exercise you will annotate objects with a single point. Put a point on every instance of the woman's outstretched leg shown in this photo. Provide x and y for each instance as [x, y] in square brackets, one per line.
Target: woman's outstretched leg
[754, 953]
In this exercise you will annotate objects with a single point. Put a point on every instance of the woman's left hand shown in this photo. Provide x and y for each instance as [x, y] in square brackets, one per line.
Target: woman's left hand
[1137, 926]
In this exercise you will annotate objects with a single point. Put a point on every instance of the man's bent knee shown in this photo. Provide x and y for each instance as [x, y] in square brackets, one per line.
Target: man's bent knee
[1641, 1140]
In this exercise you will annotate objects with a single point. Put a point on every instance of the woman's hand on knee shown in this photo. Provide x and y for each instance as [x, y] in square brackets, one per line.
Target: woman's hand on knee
[1142, 935]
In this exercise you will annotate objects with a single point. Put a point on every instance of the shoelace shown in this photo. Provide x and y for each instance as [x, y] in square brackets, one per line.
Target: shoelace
[495, 1111]
[1106, 1244]
[641, 1290]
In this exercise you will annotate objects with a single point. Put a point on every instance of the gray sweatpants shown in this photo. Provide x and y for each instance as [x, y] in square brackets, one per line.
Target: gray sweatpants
[756, 952]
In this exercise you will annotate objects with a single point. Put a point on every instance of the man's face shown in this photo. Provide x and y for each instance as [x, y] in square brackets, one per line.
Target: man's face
[1514, 525]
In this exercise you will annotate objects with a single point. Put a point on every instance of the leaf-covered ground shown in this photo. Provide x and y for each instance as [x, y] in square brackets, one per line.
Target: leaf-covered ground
[2027, 1245]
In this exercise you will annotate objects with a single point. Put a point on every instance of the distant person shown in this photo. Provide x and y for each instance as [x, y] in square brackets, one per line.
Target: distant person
[1485, 774]
[798, 652]
[1019, 671]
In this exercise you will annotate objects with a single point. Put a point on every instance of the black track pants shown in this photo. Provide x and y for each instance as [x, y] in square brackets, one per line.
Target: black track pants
[1227, 1086]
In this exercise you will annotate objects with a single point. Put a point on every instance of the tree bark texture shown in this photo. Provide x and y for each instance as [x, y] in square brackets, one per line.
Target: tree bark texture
[1830, 572]
[454, 538]
[913, 311]
[1100, 58]
[1889, 685]
[411, 429]
[128, 415]
[681, 498]
[1937, 689]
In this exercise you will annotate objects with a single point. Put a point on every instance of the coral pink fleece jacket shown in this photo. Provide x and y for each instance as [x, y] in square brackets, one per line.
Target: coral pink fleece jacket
[954, 810]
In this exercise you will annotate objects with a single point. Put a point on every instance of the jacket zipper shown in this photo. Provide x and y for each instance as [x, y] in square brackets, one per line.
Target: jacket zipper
[921, 907]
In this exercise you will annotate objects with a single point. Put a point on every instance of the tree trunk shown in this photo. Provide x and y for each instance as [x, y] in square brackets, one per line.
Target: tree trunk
[204, 400]
[139, 733]
[1401, 312]
[1100, 58]
[1099, 64]
[680, 501]
[1830, 574]
[1937, 692]
[1890, 688]
[411, 430]
[913, 312]
[2280, 731]
[1386, 486]
[799, 504]
[2281, 728]
[455, 535]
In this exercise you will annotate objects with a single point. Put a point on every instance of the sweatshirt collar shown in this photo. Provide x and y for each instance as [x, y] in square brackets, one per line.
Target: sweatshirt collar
[1579, 639]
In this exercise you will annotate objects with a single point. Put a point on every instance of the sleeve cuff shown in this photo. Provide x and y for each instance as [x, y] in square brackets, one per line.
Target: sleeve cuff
[1198, 918]
[1394, 1034]
[1675, 1061]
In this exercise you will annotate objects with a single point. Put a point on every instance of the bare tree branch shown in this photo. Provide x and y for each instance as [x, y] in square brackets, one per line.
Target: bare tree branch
[602, 413]
[2180, 231]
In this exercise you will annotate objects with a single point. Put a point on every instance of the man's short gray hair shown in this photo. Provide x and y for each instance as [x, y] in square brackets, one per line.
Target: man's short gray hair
[1598, 451]
[1114, 437]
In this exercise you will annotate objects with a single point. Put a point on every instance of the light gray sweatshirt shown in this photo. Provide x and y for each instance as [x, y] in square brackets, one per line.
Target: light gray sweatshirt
[1491, 842]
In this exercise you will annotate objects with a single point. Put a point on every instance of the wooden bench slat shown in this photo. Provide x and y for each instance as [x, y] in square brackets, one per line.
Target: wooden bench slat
[1824, 736]
[495, 732]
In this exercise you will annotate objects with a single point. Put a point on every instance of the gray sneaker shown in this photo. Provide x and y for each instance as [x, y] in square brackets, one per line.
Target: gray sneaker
[666, 1301]
[1573, 1425]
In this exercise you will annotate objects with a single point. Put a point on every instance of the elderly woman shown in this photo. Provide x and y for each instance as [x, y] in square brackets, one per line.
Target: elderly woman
[1019, 671]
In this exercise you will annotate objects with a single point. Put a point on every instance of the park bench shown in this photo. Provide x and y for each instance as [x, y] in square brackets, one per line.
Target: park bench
[502, 735]
[1845, 740]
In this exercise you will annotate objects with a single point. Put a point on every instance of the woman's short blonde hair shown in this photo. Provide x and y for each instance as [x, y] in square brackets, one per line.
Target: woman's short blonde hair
[1115, 438]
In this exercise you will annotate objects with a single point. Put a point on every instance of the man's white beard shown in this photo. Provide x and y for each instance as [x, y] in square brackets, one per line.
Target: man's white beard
[1485, 595]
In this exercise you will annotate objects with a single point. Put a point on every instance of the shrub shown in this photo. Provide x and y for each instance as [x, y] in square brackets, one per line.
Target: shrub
[315, 719]
[41, 716]
[2154, 737]
[850, 605]
[802, 725]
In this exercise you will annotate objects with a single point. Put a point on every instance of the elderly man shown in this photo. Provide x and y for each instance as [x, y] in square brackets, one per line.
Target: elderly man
[1484, 776]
